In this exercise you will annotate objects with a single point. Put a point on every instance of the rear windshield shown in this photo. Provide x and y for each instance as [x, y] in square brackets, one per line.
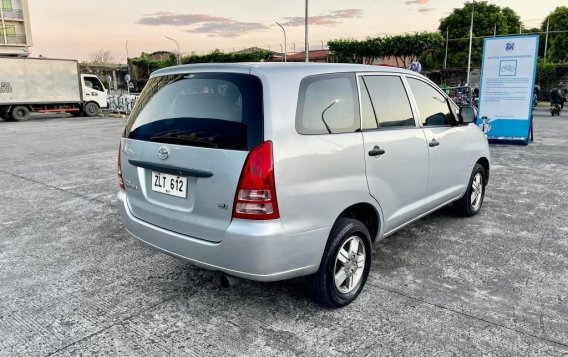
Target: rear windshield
[212, 110]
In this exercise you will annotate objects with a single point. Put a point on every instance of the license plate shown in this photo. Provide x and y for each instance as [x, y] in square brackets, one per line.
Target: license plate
[169, 184]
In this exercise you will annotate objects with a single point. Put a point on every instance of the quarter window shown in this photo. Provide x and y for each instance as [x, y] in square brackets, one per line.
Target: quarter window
[328, 105]
[386, 105]
[432, 105]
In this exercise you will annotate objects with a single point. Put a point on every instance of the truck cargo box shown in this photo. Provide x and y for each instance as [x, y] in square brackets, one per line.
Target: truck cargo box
[39, 81]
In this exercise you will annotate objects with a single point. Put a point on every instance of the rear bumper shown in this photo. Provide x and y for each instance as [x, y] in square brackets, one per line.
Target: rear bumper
[255, 250]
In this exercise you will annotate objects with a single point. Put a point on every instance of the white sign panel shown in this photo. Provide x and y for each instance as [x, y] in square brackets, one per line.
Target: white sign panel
[507, 85]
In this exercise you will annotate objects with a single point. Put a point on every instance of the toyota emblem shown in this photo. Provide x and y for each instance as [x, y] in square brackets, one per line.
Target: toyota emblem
[163, 153]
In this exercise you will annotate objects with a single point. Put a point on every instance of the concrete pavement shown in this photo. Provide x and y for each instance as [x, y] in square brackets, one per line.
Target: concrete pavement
[72, 282]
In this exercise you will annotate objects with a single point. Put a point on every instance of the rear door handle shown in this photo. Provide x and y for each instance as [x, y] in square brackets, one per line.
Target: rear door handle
[377, 151]
[433, 143]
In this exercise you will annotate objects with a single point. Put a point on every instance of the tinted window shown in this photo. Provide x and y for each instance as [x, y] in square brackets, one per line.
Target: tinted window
[328, 104]
[93, 82]
[389, 103]
[433, 107]
[213, 110]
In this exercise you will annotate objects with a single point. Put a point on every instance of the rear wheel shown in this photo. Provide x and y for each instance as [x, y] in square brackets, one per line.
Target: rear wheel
[20, 113]
[5, 114]
[91, 109]
[470, 204]
[344, 266]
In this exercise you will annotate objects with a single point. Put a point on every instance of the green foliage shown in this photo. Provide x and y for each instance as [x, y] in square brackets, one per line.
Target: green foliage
[403, 47]
[486, 16]
[558, 42]
[149, 65]
[545, 73]
[222, 57]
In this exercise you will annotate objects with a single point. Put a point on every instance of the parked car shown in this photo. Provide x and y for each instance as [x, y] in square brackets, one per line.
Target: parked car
[274, 171]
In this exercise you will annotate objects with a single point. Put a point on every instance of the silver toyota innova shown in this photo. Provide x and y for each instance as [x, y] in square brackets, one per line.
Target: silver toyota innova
[270, 171]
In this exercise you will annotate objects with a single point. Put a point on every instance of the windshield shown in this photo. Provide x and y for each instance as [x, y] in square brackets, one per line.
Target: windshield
[213, 110]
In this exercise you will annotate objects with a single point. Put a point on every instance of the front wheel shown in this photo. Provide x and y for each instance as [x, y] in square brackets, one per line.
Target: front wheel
[470, 204]
[344, 266]
[91, 109]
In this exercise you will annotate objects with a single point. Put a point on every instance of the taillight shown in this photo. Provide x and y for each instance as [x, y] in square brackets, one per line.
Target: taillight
[120, 180]
[256, 192]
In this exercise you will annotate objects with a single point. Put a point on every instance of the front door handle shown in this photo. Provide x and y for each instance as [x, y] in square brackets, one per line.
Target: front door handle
[433, 143]
[377, 151]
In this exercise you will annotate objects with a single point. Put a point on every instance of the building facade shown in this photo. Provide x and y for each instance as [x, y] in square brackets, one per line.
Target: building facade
[15, 30]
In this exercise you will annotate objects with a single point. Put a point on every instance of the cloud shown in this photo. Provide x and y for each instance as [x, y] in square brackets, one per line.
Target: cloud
[417, 2]
[426, 10]
[168, 18]
[201, 23]
[230, 29]
[331, 19]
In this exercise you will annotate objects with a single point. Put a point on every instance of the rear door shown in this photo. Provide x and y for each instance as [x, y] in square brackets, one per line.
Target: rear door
[448, 144]
[395, 149]
[185, 145]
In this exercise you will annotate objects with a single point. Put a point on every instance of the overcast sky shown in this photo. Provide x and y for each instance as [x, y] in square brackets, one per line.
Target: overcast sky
[76, 28]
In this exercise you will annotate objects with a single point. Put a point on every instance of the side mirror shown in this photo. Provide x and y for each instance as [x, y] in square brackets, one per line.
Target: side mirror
[467, 115]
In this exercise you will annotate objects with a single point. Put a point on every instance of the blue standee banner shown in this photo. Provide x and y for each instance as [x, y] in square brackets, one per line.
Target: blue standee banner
[508, 76]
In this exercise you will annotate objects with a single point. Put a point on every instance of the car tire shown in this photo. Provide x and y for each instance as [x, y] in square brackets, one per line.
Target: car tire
[352, 238]
[91, 109]
[470, 204]
[20, 113]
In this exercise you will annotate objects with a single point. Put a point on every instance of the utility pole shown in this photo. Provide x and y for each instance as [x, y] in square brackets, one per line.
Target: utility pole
[470, 42]
[546, 39]
[306, 41]
[447, 42]
[495, 30]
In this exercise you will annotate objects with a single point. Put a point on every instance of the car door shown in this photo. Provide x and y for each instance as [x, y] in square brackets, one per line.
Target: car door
[447, 143]
[93, 90]
[396, 152]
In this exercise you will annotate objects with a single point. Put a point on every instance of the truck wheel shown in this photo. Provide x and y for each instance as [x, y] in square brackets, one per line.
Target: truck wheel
[20, 113]
[344, 266]
[91, 109]
[5, 114]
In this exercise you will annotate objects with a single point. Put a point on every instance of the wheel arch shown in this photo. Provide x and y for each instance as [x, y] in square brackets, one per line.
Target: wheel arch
[90, 101]
[483, 161]
[367, 214]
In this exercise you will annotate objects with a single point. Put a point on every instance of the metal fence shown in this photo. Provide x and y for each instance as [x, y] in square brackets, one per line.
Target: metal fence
[122, 102]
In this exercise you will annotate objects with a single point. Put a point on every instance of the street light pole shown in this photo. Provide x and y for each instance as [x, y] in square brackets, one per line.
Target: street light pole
[127, 51]
[177, 44]
[447, 42]
[546, 39]
[306, 40]
[285, 43]
[470, 42]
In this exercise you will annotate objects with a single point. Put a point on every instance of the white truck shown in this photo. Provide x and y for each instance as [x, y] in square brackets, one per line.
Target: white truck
[47, 85]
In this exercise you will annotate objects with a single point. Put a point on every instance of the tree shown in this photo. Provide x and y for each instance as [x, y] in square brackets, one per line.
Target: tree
[101, 57]
[558, 42]
[487, 18]
[404, 48]
[545, 74]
